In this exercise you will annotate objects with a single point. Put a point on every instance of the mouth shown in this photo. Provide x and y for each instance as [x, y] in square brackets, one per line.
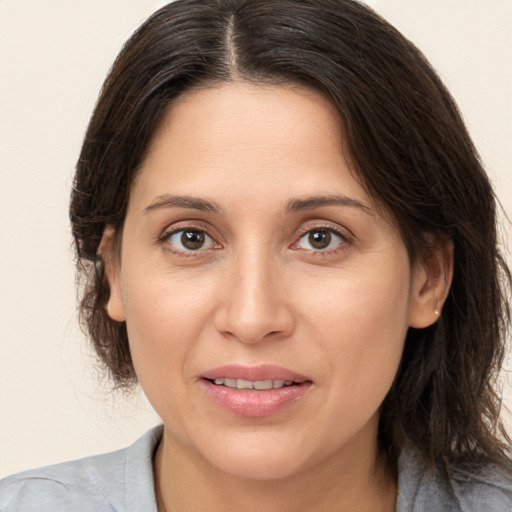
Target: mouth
[254, 391]
[258, 385]
[233, 375]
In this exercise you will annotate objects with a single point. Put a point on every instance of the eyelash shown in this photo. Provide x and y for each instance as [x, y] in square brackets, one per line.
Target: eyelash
[345, 239]
[344, 236]
[164, 239]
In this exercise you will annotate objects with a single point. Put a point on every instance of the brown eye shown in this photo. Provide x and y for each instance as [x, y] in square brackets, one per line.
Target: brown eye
[319, 239]
[190, 240]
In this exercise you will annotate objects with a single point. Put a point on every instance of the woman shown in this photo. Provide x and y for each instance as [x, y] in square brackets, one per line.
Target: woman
[288, 240]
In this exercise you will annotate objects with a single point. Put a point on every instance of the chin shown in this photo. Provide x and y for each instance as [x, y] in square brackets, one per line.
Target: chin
[260, 467]
[258, 458]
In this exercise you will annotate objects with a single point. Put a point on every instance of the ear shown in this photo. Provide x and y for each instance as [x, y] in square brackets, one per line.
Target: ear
[432, 278]
[107, 252]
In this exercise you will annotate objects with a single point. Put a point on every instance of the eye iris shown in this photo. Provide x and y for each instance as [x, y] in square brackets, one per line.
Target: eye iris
[320, 239]
[192, 239]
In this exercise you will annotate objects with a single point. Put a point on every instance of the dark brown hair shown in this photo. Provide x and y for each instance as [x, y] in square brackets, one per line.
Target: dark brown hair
[409, 148]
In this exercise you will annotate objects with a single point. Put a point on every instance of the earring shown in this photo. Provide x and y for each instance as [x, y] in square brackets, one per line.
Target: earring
[436, 310]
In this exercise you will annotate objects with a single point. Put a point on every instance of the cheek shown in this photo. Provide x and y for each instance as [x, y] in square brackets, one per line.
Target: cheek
[361, 325]
[165, 316]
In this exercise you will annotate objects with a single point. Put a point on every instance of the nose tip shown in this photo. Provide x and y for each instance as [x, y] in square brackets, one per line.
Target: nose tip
[253, 324]
[254, 309]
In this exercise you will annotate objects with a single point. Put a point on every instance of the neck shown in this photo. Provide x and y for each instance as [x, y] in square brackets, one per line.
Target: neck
[363, 481]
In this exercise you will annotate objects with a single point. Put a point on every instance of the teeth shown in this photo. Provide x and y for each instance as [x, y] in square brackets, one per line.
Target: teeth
[244, 384]
[263, 384]
[250, 384]
[230, 383]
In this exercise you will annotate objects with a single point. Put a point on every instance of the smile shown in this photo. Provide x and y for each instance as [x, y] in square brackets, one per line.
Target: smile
[259, 385]
[254, 391]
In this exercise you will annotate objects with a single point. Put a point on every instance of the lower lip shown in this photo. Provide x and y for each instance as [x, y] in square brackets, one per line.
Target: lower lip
[255, 403]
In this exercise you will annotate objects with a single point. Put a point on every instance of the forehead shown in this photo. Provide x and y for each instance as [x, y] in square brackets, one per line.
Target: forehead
[249, 132]
[251, 116]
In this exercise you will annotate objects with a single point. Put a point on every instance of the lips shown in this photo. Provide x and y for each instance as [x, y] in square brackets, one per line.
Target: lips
[254, 373]
[259, 385]
[254, 391]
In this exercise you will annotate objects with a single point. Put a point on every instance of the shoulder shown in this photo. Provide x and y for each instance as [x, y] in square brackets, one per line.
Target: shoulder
[37, 491]
[91, 483]
[487, 489]
[101, 483]
[423, 488]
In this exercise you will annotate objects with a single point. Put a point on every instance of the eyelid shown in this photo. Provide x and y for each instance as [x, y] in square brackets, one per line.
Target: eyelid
[209, 243]
[192, 225]
[342, 231]
[346, 236]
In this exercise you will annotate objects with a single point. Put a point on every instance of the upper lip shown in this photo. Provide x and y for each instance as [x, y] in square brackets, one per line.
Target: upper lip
[254, 373]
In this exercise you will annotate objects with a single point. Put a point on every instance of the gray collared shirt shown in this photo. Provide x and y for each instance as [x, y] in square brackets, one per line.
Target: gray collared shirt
[122, 481]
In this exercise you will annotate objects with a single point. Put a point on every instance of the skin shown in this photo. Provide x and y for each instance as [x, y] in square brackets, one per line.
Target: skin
[258, 292]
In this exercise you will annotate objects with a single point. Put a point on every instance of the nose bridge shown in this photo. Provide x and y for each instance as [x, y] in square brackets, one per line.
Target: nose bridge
[255, 307]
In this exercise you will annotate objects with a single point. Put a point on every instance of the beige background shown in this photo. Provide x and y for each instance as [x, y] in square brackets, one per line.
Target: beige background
[53, 58]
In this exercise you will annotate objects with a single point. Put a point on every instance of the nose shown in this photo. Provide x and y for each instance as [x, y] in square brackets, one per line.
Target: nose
[255, 303]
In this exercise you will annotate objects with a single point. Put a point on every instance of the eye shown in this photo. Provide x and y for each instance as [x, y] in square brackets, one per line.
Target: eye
[320, 239]
[187, 240]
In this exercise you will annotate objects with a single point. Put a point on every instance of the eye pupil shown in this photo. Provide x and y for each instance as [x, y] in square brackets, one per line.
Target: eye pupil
[192, 239]
[320, 239]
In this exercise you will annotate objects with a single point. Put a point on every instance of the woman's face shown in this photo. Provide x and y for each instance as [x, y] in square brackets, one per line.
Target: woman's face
[251, 257]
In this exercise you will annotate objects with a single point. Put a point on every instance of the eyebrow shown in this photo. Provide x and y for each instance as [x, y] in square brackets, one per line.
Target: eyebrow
[193, 203]
[293, 206]
[309, 203]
